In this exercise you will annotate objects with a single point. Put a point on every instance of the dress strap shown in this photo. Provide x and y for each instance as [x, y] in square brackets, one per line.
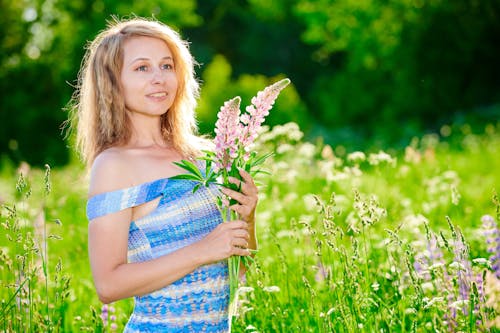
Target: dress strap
[114, 201]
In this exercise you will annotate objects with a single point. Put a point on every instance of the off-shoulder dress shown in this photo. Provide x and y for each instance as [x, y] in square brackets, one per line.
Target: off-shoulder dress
[198, 302]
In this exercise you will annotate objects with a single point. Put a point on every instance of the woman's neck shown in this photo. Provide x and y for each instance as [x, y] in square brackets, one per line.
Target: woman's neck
[146, 132]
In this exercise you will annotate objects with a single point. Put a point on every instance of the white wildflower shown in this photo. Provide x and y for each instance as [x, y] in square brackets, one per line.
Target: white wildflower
[290, 198]
[410, 311]
[307, 150]
[356, 157]
[459, 305]
[456, 265]
[436, 266]
[298, 251]
[432, 302]
[342, 201]
[455, 195]
[246, 309]
[272, 289]
[264, 217]
[244, 290]
[284, 148]
[306, 218]
[289, 176]
[264, 137]
[450, 175]
[381, 157]
[337, 176]
[355, 171]
[293, 131]
[415, 221]
[481, 262]
[285, 233]
[427, 286]
[281, 165]
[310, 202]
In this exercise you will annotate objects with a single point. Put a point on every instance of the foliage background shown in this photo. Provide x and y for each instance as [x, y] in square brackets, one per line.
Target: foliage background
[417, 78]
[365, 73]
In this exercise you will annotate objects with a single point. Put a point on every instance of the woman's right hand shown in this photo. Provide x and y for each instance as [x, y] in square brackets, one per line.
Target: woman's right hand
[227, 239]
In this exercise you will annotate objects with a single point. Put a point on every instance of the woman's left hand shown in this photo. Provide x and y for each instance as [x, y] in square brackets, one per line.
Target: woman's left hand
[247, 198]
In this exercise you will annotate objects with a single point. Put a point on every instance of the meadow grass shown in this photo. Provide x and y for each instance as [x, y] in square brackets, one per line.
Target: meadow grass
[358, 242]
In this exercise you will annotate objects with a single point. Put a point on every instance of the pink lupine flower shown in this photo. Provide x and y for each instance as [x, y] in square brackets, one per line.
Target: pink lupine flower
[227, 132]
[234, 133]
[258, 111]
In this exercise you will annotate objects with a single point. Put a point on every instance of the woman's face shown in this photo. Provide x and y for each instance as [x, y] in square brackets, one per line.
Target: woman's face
[148, 77]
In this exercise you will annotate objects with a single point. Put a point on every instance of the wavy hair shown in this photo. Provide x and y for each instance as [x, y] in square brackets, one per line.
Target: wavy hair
[98, 107]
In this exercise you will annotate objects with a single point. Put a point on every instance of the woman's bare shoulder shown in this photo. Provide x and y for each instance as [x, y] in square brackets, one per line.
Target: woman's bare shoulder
[110, 171]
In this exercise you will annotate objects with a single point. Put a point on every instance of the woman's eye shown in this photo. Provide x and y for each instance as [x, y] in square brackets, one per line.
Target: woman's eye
[167, 66]
[142, 68]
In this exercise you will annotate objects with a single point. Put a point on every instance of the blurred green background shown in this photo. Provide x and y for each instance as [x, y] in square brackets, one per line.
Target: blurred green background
[364, 73]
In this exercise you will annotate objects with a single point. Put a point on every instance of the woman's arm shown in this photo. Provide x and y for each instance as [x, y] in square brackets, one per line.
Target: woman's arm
[115, 279]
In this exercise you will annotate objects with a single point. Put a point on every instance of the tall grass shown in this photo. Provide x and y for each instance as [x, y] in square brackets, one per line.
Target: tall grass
[36, 292]
[349, 242]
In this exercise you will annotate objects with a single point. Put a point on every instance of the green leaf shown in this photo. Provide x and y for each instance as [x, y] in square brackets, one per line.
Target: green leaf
[254, 173]
[208, 154]
[187, 176]
[261, 159]
[248, 260]
[189, 166]
[211, 179]
[196, 187]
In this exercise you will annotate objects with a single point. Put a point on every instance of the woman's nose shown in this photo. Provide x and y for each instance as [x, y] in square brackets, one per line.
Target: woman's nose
[158, 76]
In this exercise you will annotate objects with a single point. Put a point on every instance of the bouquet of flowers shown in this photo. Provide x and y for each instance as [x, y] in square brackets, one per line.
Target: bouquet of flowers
[235, 134]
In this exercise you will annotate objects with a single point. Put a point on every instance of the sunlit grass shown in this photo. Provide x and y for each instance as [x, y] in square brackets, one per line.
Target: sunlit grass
[360, 242]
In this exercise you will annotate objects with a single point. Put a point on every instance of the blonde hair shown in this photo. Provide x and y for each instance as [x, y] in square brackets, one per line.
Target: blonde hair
[98, 104]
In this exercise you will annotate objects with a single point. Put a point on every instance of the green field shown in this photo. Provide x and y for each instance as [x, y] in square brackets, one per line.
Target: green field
[349, 241]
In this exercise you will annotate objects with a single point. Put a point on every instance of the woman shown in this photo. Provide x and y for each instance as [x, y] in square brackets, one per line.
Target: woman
[150, 236]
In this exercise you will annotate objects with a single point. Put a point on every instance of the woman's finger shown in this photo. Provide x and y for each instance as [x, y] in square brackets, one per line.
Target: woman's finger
[239, 242]
[241, 233]
[241, 252]
[247, 186]
[235, 225]
[241, 210]
[240, 197]
[246, 177]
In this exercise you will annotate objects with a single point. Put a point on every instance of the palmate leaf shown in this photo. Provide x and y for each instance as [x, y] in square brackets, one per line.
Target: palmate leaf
[194, 174]
[191, 167]
[211, 176]
[187, 176]
[209, 155]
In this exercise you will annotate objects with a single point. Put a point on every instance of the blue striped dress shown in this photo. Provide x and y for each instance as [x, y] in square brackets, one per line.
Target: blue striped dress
[198, 302]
